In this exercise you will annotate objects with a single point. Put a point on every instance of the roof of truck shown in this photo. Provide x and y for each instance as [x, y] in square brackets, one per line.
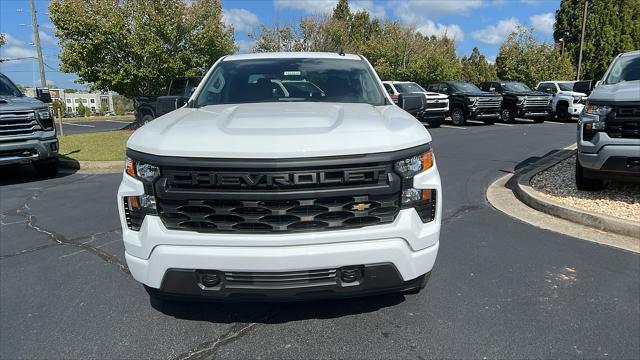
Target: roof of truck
[292, 55]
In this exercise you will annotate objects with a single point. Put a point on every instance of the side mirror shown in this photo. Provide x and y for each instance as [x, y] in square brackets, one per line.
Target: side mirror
[597, 83]
[412, 102]
[549, 91]
[43, 95]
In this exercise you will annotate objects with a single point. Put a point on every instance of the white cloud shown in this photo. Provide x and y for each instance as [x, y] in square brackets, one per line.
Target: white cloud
[375, 10]
[495, 34]
[46, 39]
[307, 6]
[245, 46]
[10, 40]
[543, 22]
[452, 31]
[491, 59]
[240, 19]
[14, 51]
[432, 9]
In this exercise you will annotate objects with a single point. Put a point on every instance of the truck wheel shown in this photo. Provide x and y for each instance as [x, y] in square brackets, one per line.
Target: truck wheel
[563, 112]
[47, 168]
[586, 184]
[457, 117]
[146, 118]
[507, 115]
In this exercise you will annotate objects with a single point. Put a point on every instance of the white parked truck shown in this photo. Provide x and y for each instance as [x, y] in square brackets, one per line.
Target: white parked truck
[248, 192]
[435, 107]
[565, 103]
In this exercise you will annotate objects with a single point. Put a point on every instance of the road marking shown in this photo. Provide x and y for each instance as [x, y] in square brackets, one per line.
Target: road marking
[454, 127]
[119, 121]
[555, 122]
[503, 124]
[74, 124]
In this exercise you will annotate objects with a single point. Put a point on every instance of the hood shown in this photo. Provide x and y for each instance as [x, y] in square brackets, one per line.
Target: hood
[622, 91]
[434, 95]
[13, 103]
[279, 130]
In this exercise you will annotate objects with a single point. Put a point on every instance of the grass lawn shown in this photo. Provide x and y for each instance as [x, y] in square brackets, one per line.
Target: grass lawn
[97, 118]
[101, 146]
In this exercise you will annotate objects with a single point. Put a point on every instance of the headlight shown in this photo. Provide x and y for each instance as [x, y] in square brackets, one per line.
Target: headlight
[140, 170]
[576, 99]
[409, 167]
[472, 100]
[137, 207]
[45, 119]
[521, 100]
[600, 110]
[422, 200]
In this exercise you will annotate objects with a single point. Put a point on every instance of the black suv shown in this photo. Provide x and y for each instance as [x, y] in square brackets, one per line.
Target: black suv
[518, 99]
[467, 101]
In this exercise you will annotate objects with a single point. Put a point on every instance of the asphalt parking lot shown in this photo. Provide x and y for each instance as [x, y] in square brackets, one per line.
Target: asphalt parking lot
[500, 288]
[81, 127]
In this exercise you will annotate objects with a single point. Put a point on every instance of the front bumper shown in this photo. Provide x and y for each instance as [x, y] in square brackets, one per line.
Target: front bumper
[533, 112]
[484, 113]
[407, 244]
[575, 109]
[28, 151]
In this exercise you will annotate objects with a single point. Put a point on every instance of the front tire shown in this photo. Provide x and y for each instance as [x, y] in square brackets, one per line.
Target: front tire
[563, 113]
[146, 118]
[584, 183]
[47, 168]
[457, 117]
[507, 114]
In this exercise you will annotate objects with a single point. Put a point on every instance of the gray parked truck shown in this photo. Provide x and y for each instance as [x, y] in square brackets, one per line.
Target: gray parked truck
[27, 131]
[609, 127]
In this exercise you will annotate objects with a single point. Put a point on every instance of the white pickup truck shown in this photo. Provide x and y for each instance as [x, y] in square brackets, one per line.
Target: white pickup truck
[436, 106]
[250, 192]
[565, 102]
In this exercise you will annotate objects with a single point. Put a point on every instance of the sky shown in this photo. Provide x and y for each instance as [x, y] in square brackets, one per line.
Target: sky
[473, 23]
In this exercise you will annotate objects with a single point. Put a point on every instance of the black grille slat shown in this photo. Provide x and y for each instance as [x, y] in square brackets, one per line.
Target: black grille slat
[624, 122]
[18, 123]
[280, 280]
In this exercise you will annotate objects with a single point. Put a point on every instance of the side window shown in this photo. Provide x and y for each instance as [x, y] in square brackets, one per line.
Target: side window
[495, 87]
[444, 89]
[178, 87]
[388, 88]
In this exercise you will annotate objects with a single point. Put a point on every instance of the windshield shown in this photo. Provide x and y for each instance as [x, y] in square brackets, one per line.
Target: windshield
[408, 87]
[465, 87]
[566, 86]
[517, 87]
[281, 80]
[7, 88]
[626, 68]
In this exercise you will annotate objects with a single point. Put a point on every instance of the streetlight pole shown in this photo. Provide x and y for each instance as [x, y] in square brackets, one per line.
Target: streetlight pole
[584, 23]
[36, 40]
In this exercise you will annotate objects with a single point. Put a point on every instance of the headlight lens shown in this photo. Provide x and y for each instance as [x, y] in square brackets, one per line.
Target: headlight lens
[409, 167]
[45, 119]
[141, 170]
[601, 110]
[137, 207]
[472, 100]
[521, 99]
[45, 115]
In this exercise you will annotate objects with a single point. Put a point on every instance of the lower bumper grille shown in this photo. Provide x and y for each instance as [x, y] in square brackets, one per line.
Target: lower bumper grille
[264, 280]
[278, 215]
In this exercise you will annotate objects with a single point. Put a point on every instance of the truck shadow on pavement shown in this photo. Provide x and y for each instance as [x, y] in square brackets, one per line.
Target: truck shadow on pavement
[22, 174]
[274, 312]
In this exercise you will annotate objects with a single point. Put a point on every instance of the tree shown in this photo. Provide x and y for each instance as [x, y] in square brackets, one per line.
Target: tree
[122, 104]
[476, 68]
[523, 58]
[135, 46]
[58, 108]
[104, 107]
[612, 27]
[81, 110]
[3, 39]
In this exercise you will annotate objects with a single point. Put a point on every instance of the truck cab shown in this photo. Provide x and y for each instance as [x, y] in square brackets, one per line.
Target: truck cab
[174, 95]
[27, 131]
[519, 100]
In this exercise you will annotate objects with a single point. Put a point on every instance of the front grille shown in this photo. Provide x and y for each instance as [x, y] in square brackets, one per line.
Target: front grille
[537, 102]
[265, 216]
[489, 103]
[291, 279]
[437, 105]
[18, 123]
[623, 122]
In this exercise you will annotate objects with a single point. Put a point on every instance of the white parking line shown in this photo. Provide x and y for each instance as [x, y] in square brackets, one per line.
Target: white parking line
[555, 122]
[120, 121]
[74, 124]
[503, 124]
[453, 127]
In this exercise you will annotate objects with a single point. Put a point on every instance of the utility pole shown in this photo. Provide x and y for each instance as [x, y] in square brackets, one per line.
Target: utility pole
[584, 23]
[36, 40]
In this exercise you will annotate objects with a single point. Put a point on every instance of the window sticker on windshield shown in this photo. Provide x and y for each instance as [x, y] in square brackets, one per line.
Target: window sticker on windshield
[292, 73]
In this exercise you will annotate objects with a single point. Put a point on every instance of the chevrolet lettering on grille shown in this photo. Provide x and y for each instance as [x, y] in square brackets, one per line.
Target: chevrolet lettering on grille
[274, 180]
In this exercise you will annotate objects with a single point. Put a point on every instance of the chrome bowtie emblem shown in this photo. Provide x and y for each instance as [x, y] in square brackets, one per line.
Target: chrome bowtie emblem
[360, 207]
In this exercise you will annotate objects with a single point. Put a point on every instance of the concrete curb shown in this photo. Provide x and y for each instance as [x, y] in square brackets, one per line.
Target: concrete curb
[527, 194]
[92, 166]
